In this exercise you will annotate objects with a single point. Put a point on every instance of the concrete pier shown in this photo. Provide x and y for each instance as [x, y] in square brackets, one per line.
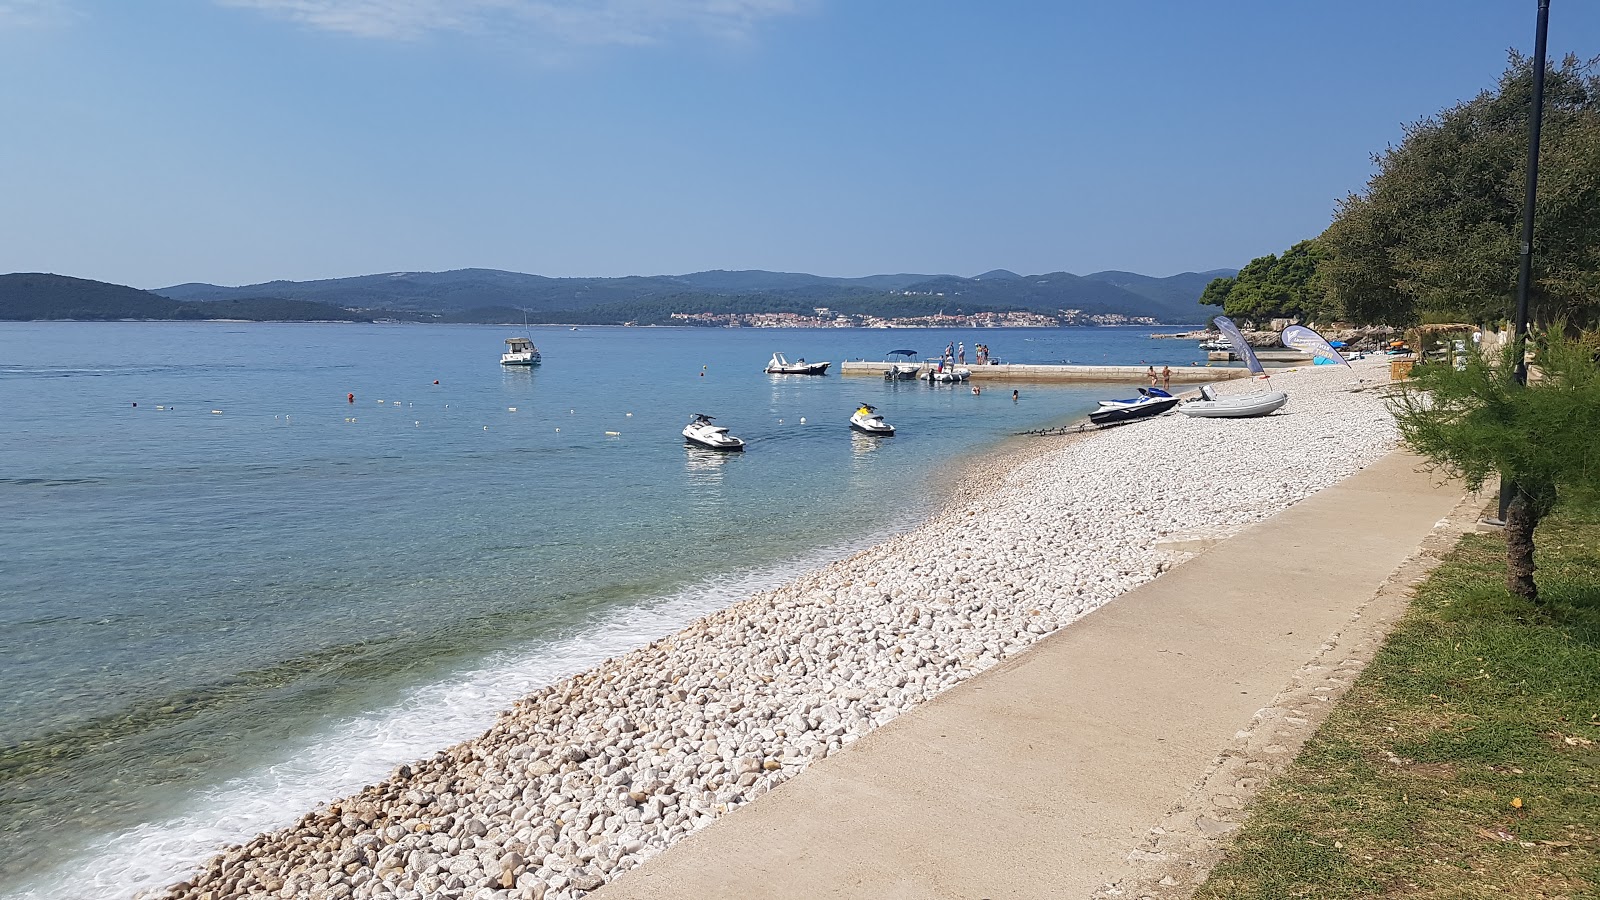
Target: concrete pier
[1020, 372]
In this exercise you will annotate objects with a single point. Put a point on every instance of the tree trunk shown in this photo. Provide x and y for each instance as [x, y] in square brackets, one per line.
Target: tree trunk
[1521, 519]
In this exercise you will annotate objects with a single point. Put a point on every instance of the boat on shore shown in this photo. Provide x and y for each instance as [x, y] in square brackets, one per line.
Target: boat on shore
[1242, 406]
[520, 351]
[700, 431]
[1150, 402]
[867, 421]
[780, 365]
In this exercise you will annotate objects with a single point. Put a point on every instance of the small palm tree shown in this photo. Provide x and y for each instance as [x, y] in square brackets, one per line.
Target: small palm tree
[1543, 438]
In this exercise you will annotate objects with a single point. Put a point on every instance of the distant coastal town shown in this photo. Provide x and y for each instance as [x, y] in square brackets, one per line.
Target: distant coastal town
[823, 317]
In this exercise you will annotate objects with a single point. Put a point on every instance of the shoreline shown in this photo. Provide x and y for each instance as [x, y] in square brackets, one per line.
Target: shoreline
[584, 779]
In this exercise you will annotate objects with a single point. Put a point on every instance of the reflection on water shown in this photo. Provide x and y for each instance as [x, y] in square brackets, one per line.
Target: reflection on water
[705, 463]
[862, 444]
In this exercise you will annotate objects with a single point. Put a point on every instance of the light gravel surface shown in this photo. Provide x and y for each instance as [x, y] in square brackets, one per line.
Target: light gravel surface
[587, 778]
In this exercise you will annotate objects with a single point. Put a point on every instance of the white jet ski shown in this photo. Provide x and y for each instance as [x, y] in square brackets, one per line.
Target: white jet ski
[867, 421]
[701, 431]
[1242, 406]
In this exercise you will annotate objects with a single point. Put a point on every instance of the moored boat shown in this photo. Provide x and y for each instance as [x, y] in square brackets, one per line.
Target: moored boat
[520, 351]
[948, 374]
[904, 368]
[714, 437]
[780, 365]
[1150, 402]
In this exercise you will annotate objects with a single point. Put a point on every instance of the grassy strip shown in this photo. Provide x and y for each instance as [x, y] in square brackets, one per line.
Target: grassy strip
[1465, 762]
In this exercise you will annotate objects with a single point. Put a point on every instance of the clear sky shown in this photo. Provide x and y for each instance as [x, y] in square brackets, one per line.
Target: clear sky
[150, 142]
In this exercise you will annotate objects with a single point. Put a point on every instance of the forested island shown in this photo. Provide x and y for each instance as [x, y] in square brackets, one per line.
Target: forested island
[715, 299]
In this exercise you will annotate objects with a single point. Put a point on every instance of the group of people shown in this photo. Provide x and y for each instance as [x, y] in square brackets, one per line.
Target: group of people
[1165, 378]
[956, 353]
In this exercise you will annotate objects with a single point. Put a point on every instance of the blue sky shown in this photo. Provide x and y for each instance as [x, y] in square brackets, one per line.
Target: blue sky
[150, 142]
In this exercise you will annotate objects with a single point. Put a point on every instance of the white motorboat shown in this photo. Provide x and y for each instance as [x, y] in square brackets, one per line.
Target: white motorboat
[780, 365]
[1216, 344]
[520, 351]
[1243, 406]
[949, 374]
[867, 421]
[904, 368]
[715, 437]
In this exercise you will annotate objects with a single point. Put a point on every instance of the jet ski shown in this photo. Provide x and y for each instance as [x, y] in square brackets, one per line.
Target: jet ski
[1150, 402]
[867, 421]
[701, 431]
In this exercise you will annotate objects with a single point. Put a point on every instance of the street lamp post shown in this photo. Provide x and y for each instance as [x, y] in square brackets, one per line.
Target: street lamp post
[1519, 334]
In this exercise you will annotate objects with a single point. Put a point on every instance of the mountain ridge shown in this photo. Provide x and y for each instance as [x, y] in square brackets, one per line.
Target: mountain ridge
[459, 291]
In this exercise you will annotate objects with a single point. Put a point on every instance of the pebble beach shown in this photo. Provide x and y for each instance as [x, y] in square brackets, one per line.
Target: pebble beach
[589, 777]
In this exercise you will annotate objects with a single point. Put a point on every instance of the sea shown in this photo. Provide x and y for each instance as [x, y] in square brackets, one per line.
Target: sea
[248, 568]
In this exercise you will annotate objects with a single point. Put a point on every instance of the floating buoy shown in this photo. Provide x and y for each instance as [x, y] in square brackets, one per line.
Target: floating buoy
[418, 424]
[485, 428]
[138, 404]
[350, 398]
[558, 431]
[802, 420]
[436, 381]
[780, 421]
[571, 411]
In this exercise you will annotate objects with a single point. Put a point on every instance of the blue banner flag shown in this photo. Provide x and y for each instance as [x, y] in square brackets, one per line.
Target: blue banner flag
[1307, 341]
[1241, 347]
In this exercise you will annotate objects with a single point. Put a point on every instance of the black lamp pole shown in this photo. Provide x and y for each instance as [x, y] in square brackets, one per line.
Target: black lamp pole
[1525, 270]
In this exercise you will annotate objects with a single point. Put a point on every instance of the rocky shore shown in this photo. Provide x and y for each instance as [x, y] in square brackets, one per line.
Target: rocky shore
[589, 777]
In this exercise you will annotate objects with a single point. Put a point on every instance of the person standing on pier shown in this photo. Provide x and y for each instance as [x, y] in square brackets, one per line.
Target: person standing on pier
[961, 353]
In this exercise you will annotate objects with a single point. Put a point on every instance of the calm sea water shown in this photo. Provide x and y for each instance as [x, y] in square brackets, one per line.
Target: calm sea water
[227, 592]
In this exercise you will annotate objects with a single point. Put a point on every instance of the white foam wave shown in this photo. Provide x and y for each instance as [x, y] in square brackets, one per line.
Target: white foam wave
[363, 749]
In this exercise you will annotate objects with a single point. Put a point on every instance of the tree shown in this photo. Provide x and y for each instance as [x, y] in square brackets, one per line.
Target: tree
[1435, 234]
[1273, 287]
[1477, 422]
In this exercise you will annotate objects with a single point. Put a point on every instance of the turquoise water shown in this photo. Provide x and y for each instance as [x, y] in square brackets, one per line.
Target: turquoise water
[216, 613]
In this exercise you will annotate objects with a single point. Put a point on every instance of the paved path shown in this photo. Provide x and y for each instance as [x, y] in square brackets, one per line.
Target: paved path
[1038, 777]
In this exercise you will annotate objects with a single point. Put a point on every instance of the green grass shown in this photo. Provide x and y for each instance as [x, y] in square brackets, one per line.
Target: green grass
[1484, 700]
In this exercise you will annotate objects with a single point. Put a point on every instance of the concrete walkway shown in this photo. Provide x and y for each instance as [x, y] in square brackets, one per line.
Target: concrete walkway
[1040, 776]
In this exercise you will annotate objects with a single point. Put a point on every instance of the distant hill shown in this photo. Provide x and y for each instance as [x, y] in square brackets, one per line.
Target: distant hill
[32, 296]
[486, 294]
[1179, 291]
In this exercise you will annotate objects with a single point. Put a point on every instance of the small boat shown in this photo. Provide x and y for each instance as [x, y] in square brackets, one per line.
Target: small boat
[867, 421]
[1216, 344]
[1150, 402]
[903, 369]
[779, 365]
[520, 351]
[949, 374]
[1243, 406]
[715, 437]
